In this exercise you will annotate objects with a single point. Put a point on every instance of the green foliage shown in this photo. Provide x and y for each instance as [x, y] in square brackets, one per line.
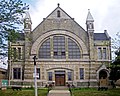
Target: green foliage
[11, 14]
[95, 92]
[115, 67]
[117, 59]
[24, 92]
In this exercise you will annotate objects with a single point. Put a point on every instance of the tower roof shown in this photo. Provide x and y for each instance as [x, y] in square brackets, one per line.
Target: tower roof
[27, 15]
[89, 16]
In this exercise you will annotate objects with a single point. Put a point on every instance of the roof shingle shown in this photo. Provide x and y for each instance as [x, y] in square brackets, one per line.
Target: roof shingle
[100, 36]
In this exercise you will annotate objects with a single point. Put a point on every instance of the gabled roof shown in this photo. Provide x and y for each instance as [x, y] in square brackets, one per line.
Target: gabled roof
[63, 14]
[100, 36]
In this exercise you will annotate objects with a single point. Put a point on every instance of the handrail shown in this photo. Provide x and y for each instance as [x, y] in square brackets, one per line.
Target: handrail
[70, 89]
[49, 88]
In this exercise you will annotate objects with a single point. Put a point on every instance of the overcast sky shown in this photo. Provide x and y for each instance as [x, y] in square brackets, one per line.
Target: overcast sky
[106, 13]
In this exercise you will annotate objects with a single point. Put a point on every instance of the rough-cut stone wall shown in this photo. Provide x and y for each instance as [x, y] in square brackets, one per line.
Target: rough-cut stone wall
[62, 24]
[65, 26]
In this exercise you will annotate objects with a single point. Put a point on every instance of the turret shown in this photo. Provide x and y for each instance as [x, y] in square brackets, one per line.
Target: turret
[27, 30]
[90, 30]
[90, 22]
[27, 22]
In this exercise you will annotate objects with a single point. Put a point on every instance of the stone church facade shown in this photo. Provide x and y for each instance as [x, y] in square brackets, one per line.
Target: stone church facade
[66, 53]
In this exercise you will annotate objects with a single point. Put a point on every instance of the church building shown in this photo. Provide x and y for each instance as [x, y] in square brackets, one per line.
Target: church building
[66, 53]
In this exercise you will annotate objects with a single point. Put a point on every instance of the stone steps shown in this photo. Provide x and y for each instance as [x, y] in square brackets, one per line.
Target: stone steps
[60, 88]
[59, 93]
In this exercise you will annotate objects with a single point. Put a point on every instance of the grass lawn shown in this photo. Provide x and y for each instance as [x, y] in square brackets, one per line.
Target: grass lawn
[75, 91]
[24, 92]
[95, 92]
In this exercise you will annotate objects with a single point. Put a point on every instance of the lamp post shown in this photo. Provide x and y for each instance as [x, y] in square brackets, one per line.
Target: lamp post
[35, 78]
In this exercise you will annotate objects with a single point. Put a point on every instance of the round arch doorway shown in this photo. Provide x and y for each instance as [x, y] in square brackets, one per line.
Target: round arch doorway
[103, 80]
[103, 74]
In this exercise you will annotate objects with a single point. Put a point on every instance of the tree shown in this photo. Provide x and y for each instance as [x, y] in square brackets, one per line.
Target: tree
[11, 14]
[116, 41]
[115, 65]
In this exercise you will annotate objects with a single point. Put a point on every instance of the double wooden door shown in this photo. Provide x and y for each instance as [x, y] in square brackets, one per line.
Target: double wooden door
[60, 79]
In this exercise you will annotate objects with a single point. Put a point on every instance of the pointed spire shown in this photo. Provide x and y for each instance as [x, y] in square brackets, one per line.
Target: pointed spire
[27, 21]
[89, 16]
[27, 16]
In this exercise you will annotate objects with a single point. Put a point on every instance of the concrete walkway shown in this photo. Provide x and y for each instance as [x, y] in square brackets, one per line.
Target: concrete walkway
[59, 91]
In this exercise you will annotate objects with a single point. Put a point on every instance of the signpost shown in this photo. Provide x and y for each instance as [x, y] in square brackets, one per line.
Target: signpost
[4, 84]
[35, 77]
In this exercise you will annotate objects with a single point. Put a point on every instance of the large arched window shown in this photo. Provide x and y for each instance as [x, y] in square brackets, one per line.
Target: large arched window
[59, 47]
[44, 51]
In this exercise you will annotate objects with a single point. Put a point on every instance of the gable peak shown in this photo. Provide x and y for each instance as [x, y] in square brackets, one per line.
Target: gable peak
[58, 4]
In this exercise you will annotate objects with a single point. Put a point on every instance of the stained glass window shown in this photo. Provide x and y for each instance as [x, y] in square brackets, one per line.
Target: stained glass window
[58, 47]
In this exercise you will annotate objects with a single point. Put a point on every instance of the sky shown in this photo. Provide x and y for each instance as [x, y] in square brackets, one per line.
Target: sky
[106, 13]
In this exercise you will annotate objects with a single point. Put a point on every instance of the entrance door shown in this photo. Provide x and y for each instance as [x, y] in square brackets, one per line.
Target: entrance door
[102, 74]
[103, 80]
[60, 79]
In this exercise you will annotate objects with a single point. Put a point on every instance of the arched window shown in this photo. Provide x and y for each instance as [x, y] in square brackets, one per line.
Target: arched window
[90, 26]
[73, 50]
[60, 47]
[58, 13]
[44, 51]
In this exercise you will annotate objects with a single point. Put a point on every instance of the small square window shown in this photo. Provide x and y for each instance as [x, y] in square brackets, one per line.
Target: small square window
[55, 53]
[63, 53]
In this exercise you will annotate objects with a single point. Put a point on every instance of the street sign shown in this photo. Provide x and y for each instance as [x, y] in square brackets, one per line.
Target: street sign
[4, 82]
[37, 75]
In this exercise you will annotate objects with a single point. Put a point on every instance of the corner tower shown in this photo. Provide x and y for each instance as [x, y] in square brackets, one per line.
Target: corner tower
[90, 22]
[27, 22]
[90, 30]
[27, 31]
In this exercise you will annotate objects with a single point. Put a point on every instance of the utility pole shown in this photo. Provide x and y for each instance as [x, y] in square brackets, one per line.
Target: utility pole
[35, 78]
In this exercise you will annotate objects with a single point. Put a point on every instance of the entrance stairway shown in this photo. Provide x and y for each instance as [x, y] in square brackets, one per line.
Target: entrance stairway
[60, 88]
[59, 91]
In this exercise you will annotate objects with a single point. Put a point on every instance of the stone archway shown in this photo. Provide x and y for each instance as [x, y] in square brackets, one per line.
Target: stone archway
[36, 44]
[103, 74]
[60, 75]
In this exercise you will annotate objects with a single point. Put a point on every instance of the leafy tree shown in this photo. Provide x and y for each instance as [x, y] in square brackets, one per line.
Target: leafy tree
[116, 41]
[115, 66]
[11, 14]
